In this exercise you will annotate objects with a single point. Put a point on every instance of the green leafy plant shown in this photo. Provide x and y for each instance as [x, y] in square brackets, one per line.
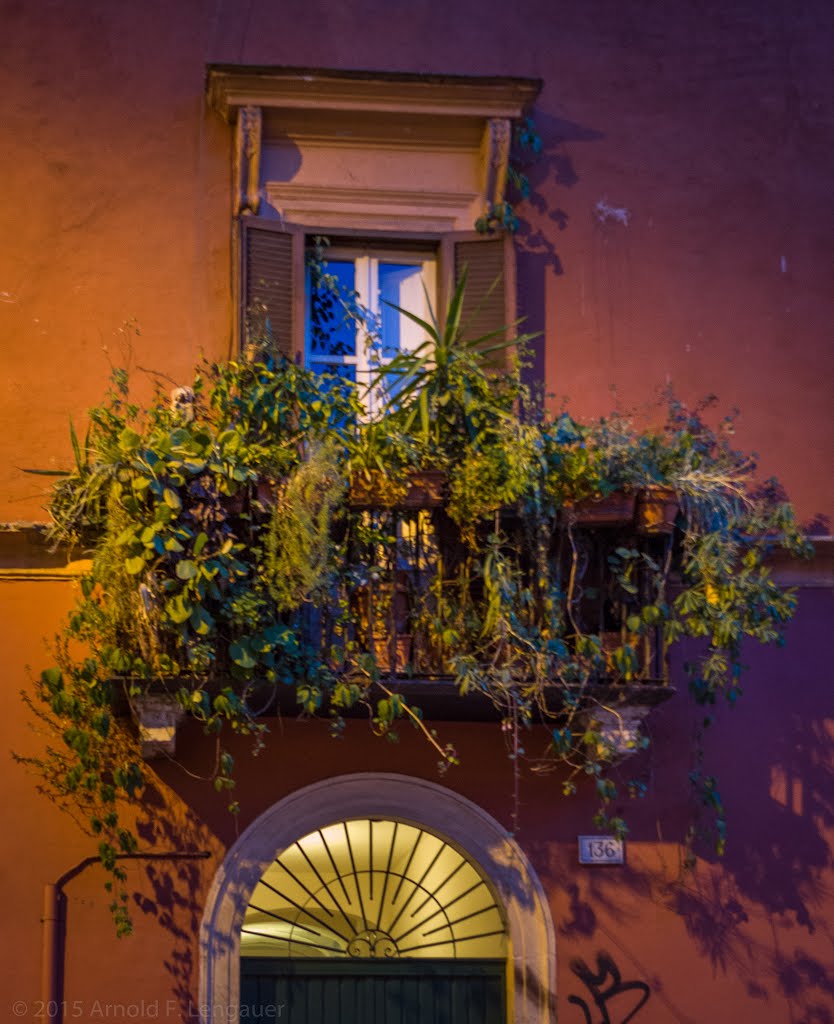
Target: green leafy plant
[228, 563]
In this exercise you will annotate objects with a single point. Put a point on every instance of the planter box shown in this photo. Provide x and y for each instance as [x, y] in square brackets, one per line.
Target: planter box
[425, 488]
[656, 511]
[616, 509]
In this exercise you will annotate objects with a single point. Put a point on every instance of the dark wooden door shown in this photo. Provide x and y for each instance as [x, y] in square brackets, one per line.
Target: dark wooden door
[350, 991]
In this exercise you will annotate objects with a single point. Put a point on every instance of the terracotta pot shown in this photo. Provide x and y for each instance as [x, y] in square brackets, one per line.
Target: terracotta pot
[615, 509]
[426, 489]
[233, 504]
[656, 511]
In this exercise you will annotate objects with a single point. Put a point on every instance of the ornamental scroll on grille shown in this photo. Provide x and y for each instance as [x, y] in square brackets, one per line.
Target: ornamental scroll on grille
[374, 944]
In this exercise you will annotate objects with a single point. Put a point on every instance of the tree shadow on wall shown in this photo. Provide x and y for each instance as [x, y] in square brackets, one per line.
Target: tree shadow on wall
[781, 866]
[808, 986]
[777, 866]
[177, 887]
[715, 918]
[549, 172]
[773, 763]
[751, 914]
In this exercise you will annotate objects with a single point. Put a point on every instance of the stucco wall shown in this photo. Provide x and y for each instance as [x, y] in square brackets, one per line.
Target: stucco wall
[711, 124]
[742, 938]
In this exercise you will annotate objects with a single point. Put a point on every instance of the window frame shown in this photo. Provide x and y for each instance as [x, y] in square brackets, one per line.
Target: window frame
[367, 257]
[446, 277]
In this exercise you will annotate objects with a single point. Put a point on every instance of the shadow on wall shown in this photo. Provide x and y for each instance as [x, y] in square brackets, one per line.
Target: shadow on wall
[551, 170]
[759, 913]
[611, 984]
[781, 866]
[714, 913]
[178, 888]
[777, 866]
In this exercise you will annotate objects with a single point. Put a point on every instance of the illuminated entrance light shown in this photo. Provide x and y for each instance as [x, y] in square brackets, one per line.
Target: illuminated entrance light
[370, 888]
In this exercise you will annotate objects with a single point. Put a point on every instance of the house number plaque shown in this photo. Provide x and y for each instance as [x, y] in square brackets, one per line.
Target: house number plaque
[601, 850]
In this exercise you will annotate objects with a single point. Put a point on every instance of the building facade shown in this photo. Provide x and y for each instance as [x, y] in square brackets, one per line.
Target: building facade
[166, 167]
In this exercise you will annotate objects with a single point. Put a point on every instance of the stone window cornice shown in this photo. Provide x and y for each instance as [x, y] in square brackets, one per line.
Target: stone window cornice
[231, 87]
[425, 152]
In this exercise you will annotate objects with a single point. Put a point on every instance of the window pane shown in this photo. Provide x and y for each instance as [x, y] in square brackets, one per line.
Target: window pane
[332, 299]
[400, 285]
[365, 889]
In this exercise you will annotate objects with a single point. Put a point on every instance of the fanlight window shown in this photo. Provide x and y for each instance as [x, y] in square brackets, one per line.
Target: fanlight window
[373, 889]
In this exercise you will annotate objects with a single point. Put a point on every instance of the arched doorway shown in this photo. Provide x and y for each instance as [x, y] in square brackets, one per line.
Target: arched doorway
[479, 914]
[373, 920]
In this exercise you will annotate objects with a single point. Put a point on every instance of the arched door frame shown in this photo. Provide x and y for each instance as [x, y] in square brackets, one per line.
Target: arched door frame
[532, 959]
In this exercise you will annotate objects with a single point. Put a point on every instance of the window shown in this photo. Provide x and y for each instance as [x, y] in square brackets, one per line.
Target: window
[379, 269]
[404, 163]
[395, 169]
[391, 889]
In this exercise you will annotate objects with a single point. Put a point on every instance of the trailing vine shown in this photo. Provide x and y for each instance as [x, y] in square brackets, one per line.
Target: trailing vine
[232, 558]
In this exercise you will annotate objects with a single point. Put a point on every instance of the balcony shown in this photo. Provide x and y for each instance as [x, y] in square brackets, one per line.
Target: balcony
[262, 542]
[415, 606]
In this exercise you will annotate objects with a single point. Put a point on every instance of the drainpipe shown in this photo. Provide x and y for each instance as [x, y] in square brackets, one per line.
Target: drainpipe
[51, 946]
[53, 932]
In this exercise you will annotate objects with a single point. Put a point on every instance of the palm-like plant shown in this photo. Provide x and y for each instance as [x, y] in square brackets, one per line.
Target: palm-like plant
[442, 393]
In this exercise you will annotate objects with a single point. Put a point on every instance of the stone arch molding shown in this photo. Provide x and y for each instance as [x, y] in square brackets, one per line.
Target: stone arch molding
[532, 961]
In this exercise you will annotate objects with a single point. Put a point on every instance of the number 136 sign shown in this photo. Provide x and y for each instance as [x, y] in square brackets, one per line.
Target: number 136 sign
[601, 850]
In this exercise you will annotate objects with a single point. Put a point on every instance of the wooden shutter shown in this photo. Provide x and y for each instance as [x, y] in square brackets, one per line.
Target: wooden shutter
[272, 282]
[490, 301]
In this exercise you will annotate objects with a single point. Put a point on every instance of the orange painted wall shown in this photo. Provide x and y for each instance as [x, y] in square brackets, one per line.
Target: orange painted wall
[742, 938]
[709, 123]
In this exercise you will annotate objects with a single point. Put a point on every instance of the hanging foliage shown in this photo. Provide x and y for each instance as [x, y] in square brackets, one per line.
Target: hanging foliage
[547, 566]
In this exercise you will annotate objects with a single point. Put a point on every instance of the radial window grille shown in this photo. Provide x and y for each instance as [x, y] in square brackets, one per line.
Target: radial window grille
[373, 889]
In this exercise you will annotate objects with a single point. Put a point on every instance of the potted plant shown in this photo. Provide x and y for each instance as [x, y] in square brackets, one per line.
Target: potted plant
[656, 510]
[579, 479]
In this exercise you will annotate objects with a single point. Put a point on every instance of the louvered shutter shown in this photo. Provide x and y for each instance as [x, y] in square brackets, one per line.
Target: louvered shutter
[272, 283]
[489, 302]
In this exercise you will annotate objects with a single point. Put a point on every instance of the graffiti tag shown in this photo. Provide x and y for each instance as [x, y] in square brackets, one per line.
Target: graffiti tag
[605, 984]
